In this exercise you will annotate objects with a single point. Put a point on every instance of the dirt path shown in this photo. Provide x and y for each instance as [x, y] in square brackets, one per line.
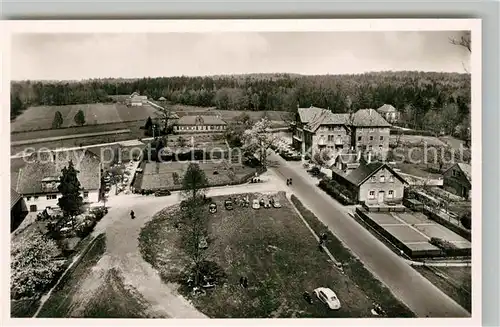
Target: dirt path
[123, 254]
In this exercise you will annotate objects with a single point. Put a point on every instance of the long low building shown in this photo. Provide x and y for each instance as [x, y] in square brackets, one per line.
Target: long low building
[200, 124]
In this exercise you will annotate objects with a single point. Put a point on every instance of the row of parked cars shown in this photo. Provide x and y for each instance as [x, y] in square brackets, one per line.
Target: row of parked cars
[286, 151]
[229, 204]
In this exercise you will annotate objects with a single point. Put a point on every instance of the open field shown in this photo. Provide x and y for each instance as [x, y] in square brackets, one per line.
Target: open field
[41, 117]
[417, 140]
[271, 247]
[456, 282]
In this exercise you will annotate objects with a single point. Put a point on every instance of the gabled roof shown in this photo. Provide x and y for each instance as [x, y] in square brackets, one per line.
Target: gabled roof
[41, 165]
[386, 108]
[307, 114]
[315, 117]
[465, 168]
[368, 118]
[205, 120]
[366, 170]
[14, 197]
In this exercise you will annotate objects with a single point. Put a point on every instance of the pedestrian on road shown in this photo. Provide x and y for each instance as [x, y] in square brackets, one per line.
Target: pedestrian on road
[132, 214]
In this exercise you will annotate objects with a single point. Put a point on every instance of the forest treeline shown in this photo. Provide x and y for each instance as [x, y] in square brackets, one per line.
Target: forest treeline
[429, 100]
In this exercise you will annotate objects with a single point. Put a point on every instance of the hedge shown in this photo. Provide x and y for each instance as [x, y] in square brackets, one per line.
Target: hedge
[354, 268]
[337, 191]
[395, 131]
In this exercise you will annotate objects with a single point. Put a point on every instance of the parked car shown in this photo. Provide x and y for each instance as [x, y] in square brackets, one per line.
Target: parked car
[276, 203]
[267, 204]
[163, 193]
[228, 204]
[125, 179]
[212, 208]
[262, 202]
[328, 297]
[255, 204]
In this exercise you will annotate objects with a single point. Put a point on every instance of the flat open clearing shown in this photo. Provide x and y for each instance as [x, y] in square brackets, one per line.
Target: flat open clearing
[41, 117]
[271, 247]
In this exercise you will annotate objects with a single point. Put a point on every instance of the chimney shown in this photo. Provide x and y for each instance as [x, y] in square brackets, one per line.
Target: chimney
[370, 110]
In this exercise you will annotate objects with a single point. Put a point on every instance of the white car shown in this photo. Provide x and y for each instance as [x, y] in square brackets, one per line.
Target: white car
[255, 204]
[328, 297]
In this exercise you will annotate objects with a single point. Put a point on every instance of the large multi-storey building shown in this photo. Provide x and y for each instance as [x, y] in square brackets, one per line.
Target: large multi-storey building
[318, 129]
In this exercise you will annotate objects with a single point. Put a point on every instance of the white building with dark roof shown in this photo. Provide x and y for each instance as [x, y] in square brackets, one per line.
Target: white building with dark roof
[200, 124]
[38, 180]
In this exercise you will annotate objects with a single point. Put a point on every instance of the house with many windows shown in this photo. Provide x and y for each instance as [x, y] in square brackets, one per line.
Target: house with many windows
[317, 129]
[38, 180]
[373, 183]
[200, 124]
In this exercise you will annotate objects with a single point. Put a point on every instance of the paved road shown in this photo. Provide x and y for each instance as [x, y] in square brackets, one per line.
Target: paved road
[420, 295]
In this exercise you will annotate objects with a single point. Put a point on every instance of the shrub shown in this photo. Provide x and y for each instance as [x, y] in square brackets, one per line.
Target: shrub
[33, 269]
[466, 221]
[444, 245]
[99, 212]
[337, 191]
[85, 228]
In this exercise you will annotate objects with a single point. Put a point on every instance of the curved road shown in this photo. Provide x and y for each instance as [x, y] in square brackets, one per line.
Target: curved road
[420, 295]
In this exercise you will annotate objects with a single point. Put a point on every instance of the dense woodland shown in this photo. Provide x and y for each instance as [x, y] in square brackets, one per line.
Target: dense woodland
[435, 101]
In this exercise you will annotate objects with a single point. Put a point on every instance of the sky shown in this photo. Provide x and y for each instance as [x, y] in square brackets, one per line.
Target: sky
[66, 56]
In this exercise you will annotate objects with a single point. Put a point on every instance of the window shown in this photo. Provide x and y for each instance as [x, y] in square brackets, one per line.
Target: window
[381, 138]
[373, 179]
[86, 194]
[371, 129]
[330, 138]
[382, 178]
[371, 138]
[370, 148]
[380, 147]
[36, 197]
[391, 194]
[359, 138]
[391, 179]
[51, 196]
[371, 195]
[28, 198]
[454, 173]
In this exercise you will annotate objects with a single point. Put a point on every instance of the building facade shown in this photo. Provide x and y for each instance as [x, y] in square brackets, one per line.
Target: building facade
[38, 181]
[316, 129]
[200, 124]
[137, 100]
[373, 183]
[389, 113]
[458, 180]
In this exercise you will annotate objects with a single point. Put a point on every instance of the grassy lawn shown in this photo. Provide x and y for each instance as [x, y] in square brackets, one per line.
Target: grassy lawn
[40, 117]
[271, 247]
[456, 282]
[418, 170]
[373, 288]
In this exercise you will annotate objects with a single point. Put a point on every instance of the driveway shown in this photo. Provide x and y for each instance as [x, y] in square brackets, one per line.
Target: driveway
[122, 246]
[420, 295]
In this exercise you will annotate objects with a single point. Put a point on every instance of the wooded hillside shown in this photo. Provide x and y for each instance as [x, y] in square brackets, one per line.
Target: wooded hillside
[427, 100]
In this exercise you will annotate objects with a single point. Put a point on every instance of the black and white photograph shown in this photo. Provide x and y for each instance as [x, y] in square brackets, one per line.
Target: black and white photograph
[244, 169]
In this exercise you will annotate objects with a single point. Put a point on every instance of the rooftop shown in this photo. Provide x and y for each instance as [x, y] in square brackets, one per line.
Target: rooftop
[44, 166]
[386, 108]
